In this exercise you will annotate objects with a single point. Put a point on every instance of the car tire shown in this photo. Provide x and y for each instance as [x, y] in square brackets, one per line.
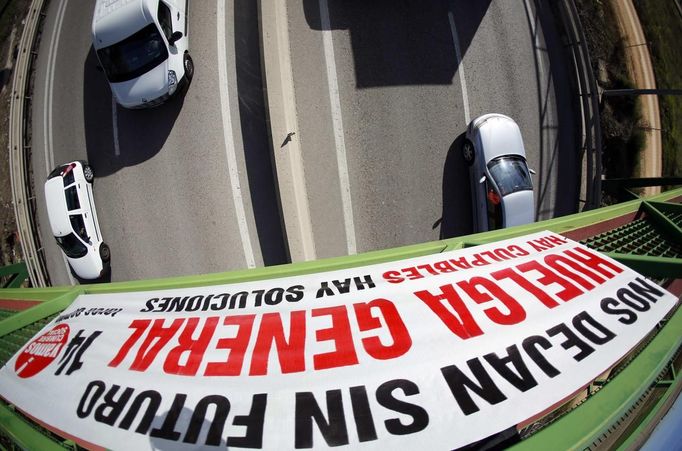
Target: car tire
[189, 67]
[105, 252]
[468, 152]
[88, 173]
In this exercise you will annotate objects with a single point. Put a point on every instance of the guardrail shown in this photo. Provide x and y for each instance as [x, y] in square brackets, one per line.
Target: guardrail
[586, 84]
[19, 150]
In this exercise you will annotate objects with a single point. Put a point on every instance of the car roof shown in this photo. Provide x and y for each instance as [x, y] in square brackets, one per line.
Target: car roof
[115, 20]
[57, 212]
[499, 136]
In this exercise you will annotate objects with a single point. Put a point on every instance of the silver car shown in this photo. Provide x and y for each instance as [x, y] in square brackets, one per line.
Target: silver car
[73, 219]
[501, 185]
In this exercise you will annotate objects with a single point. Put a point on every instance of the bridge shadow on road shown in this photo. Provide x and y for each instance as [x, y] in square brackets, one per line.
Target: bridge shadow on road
[398, 43]
[140, 134]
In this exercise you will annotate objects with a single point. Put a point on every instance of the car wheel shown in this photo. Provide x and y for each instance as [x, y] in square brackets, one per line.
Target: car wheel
[468, 152]
[104, 253]
[189, 67]
[88, 173]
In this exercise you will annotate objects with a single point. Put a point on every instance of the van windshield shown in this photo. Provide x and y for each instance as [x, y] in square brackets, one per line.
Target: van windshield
[133, 56]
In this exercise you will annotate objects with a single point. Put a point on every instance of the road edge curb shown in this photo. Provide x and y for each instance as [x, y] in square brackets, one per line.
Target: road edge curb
[18, 158]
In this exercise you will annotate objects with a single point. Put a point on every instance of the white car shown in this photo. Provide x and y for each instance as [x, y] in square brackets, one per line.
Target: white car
[73, 219]
[143, 48]
[501, 185]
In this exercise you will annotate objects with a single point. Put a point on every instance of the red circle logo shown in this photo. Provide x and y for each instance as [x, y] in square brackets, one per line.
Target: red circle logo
[41, 352]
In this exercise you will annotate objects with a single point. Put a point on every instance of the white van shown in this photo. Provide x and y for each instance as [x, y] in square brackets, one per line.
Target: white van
[142, 46]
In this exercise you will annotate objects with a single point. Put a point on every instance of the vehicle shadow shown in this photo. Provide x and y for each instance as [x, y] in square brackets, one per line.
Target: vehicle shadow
[258, 155]
[457, 211]
[407, 42]
[106, 278]
[116, 137]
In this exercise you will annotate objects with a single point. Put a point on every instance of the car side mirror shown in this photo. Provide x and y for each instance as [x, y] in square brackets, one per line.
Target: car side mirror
[532, 171]
[482, 179]
[175, 37]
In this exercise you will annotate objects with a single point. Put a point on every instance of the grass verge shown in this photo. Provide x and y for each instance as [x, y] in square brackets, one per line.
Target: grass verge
[12, 14]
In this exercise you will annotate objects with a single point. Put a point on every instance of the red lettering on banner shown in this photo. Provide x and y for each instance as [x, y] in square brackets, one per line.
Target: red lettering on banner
[340, 333]
[491, 255]
[412, 273]
[366, 321]
[157, 337]
[444, 267]
[479, 260]
[509, 273]
[139, 326]
[547, 242]
[594, 262]
[393, 277]
[232, 366]
[195, 347]
[460, 323]
[516, 313]
[428, 268]
[454, 264]
[461, 263]
[517, 251]
[291, 353]
[560, 263]
[549, 277]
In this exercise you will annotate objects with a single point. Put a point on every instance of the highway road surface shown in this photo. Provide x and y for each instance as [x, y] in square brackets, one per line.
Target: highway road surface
[383, 93]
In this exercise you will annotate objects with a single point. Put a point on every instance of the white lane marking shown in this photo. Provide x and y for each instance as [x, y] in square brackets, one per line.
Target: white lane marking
[114, 119]
[47, 112]
[460, 68]
[229, 139]
[49, 86]
[337, 123]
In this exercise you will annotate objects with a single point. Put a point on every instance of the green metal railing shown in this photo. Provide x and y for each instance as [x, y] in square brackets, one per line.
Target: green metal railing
[611, 415]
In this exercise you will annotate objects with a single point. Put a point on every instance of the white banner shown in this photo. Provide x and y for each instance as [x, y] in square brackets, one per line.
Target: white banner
[437, 351]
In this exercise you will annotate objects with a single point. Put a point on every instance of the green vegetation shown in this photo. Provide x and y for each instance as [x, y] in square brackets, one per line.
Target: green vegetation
[662, 24]
[622, 134]
[12, 13]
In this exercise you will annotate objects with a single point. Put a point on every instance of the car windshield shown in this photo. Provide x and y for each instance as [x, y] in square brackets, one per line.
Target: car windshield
[72, 246]
[510, 174]
[134, 56]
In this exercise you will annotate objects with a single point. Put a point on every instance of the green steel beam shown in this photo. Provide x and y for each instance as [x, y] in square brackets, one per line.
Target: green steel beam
[571, 431]
[655, 267]
[585, 425]
[22, 434]
[639, 436]
[17, 274]
[669, 228]
[38, 312]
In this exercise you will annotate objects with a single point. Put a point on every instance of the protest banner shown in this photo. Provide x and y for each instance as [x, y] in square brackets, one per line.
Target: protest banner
[437, 351]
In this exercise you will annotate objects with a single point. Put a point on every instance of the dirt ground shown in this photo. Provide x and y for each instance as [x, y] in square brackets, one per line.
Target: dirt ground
[642, 74]
[12, 13]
